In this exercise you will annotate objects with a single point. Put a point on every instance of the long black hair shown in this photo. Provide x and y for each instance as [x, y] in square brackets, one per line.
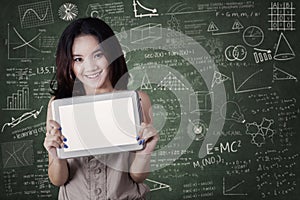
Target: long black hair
[66, 83]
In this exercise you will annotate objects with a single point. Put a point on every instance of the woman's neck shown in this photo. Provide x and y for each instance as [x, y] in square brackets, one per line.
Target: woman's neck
[93, 91]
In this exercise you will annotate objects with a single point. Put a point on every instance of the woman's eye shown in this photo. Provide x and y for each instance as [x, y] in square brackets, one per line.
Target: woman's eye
[98, 55]
[77, 59]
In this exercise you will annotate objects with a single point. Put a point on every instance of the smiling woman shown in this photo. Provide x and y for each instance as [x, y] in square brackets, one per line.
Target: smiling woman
[89, 61]
[90, 65]
[74, 38]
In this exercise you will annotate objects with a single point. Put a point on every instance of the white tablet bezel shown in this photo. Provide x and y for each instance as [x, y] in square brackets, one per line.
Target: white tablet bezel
[137, 113]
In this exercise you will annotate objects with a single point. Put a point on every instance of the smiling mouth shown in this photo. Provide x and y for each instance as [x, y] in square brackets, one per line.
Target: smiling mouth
[95, 75]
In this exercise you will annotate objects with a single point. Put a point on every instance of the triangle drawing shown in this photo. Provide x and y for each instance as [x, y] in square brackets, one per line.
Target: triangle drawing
[283, 50]
[171, 82]
[219, 78]
[237, 25]
[146, 85]
[155, 185]
[280, 75]
[212, 27]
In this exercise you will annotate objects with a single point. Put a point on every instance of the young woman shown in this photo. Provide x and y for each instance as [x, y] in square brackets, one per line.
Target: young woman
[89, 61]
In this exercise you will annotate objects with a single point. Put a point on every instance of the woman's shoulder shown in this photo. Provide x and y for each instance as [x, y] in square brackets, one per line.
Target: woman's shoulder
[146, 106]
[51, 100]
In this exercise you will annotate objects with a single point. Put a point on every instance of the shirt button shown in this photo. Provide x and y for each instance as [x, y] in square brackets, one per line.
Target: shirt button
[98, 171]
[93, 164]
[98, 191]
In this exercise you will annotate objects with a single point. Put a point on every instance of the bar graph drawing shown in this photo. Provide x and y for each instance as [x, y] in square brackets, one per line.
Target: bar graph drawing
[262, 55]
[18, 100]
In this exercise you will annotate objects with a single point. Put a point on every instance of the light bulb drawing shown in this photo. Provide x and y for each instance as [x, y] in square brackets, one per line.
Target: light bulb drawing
[231, 111]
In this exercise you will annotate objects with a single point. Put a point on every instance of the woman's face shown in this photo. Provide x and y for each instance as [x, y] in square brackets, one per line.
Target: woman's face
[90, 65]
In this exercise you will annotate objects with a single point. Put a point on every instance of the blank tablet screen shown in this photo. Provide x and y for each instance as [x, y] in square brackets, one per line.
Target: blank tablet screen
[98, 124]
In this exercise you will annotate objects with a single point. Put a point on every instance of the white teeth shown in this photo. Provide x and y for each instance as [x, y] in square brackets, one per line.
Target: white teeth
[94, 75]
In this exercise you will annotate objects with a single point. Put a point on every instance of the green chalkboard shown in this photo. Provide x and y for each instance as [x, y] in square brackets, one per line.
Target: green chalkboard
[223, 78]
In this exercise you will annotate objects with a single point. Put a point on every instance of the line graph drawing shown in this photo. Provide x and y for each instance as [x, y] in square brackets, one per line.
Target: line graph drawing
[25, 42]
[14, 122]
[35, 14]
[181, 8]
[243, 86]
[151, 11]
[231, 191]
[17, 154]
[19, 48]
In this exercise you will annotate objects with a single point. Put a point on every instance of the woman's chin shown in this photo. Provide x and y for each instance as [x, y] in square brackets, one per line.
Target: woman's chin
[93, 86]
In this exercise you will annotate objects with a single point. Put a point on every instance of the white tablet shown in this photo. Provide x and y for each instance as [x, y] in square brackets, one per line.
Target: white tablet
[98, 124]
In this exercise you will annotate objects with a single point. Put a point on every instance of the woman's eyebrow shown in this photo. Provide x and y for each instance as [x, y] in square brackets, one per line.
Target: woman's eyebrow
[74, 55]
[97, 50]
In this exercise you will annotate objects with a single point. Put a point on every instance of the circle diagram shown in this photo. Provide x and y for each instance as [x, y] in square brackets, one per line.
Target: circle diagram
[253, 36]
[235, 53]
[197, 129]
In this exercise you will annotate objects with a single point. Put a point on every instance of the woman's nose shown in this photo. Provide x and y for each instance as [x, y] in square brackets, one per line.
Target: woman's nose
[90, 64]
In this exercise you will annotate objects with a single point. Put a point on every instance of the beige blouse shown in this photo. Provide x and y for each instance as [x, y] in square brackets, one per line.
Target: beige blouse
[101, 177]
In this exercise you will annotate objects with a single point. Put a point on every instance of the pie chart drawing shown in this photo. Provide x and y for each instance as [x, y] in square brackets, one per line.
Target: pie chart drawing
[253, 36]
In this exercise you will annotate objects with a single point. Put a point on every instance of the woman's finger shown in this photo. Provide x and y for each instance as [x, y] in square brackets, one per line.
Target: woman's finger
[140, 134]
[147, 133]
[54, 124]
[54, 141]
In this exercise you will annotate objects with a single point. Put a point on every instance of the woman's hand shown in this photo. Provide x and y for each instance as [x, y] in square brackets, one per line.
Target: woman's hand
[54, 139]
[148, 137]
[140, 167]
